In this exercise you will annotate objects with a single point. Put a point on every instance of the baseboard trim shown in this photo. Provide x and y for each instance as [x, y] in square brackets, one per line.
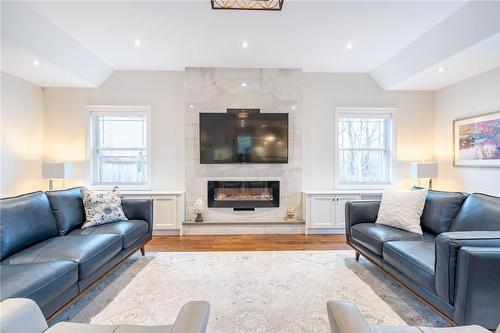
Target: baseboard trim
[166, 232]
[325, 231]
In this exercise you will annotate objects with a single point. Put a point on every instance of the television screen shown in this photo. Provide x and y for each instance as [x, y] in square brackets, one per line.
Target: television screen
[243, 138]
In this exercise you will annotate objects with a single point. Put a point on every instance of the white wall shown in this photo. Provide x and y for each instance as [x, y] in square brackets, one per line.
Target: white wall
[66, 120]
[477, 95]
[324, 92]
[22, 136]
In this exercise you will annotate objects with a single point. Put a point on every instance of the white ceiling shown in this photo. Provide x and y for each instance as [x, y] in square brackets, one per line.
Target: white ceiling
[177, 34]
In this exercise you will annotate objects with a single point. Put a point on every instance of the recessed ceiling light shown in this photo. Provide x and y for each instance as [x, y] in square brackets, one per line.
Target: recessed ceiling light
[441, 69]
[137, 42]
[191, 106]
[244, 44]
[243, 84]
[348, 46]
[36, 63]
[293, 107]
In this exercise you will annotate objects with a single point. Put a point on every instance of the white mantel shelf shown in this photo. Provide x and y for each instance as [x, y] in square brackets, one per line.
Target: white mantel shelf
[335, 192]
[151, 192]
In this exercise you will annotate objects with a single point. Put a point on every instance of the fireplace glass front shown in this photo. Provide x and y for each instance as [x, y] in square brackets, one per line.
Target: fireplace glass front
[243, 194]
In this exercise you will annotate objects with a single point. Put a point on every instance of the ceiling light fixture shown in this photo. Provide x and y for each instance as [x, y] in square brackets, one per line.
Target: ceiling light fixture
[191, 106]
[441, 69]
[137, 42]
[348, 46]
[293, 107]
[243, 84]
[36, 63]
[248, 4]
[244, 44]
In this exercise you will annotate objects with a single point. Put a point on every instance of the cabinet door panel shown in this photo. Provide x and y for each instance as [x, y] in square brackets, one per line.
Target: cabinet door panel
[164, 213]
[322, 212]
[340, 209]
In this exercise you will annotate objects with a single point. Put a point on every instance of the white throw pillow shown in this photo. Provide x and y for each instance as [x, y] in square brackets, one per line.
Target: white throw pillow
[402, 209]
[102, 208]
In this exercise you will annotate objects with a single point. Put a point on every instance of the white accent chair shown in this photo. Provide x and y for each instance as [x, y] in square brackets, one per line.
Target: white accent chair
[345, 317]
[22, 315]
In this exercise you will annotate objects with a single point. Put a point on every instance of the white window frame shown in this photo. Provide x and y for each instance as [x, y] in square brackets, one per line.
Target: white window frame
[112, 110]
[368, 112]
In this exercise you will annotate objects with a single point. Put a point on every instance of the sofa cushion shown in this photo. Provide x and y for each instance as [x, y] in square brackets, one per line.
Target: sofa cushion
[130, 230]
[372, 236]
[440, 210]
[88, 251]
[42, 282]
[415, 259]
[102, 208]
[402, 209]
[67, 206]
[25, 220]
[479, 212]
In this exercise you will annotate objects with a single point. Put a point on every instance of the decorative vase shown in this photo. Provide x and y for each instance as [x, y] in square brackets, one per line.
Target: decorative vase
[199, 207]
[199, 218]
[290, 213]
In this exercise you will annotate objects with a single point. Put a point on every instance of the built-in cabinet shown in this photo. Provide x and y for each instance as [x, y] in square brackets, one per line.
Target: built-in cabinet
[324, 212]
[168, 209]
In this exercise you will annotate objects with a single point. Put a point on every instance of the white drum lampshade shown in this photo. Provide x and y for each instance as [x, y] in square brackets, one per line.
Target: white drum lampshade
[421, 170]
[56, 170]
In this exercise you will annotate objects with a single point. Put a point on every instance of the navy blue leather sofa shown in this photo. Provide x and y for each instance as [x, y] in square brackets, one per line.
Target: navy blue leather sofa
[46, 256]
[454, 266]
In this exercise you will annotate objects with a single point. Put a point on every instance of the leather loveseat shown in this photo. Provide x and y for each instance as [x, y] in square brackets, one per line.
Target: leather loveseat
[454, 266]
[47, 257]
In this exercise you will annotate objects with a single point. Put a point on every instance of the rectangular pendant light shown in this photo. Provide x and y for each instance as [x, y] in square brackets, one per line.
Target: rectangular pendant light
[247, 4]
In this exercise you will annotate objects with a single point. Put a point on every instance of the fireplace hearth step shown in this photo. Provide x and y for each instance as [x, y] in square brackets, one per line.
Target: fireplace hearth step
[241, 227]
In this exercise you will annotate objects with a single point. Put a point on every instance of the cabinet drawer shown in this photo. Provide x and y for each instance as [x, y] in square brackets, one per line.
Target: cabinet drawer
[165, 213]
[340, 209]
[322, 212]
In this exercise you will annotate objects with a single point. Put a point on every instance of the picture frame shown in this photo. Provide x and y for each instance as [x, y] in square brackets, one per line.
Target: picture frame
[476, 141]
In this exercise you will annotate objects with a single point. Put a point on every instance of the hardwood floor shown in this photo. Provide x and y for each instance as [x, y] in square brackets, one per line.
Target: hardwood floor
[246, 243]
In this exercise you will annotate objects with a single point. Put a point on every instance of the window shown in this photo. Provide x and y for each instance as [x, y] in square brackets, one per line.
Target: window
[119, 146]
[363, 148]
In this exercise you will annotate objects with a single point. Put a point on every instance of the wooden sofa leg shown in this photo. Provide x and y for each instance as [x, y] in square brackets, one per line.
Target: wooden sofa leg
[357, 256]
[143, 251]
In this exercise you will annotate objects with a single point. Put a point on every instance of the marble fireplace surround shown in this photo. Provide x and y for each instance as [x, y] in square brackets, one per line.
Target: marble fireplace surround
[271, 91]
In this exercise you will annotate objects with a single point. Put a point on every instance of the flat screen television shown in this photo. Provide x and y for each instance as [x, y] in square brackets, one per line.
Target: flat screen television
[243, 138]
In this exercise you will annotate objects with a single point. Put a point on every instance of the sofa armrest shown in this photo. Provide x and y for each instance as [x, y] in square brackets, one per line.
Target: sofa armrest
[344, 317]
[448, 244]
[21, 315]
[139, 209]
[193, 318]
[478, 294]
[360, 211]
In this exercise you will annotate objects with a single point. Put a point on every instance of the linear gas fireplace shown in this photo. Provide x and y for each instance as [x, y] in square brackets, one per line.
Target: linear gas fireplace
[243, 195]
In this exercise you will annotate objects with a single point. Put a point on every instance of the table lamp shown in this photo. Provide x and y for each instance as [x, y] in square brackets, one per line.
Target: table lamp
[56, 170]
[421, 170]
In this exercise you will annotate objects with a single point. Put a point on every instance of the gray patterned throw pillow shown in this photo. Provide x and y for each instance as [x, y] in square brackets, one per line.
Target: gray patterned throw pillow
[102, 208]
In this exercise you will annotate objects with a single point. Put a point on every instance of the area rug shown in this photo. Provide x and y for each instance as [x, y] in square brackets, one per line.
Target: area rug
[249, 291]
